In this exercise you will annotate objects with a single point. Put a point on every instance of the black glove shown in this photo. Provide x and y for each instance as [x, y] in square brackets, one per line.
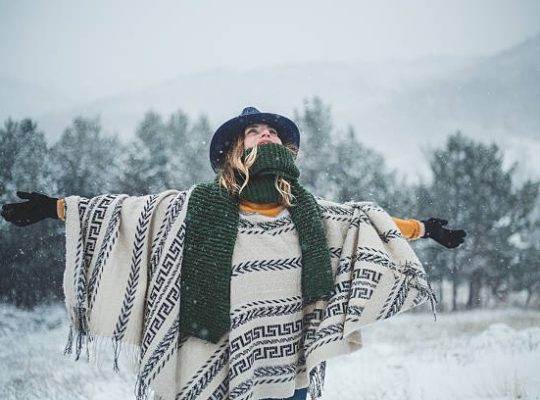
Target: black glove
[37, 208]
[448, 238]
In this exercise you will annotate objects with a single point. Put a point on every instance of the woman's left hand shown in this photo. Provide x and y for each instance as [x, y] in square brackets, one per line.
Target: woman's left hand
[434, 229]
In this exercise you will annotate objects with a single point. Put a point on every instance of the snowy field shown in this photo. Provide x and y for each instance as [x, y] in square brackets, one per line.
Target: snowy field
[489, 354]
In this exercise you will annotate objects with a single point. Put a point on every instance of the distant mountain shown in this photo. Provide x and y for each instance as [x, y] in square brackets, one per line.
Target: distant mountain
[400, 108]
[499, 95]
[350, 87]
[19, 99]
[495, 99]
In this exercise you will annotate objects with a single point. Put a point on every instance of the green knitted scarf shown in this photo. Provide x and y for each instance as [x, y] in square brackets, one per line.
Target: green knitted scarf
[211, 229]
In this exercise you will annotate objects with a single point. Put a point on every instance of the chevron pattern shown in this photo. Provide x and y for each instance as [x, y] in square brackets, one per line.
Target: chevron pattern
[258, 303]
[345, 266]
[272, 228]
[389, 235]
[367, 207]
[79, 276]
[141, 235]
[266, 375]
[399, 300]
[388, 301]
[374, 256]
[165, 345]
[335, 252]
[266, 265]
[205, 374]
[359, 219]
[275, 370]
[336, 210]
[331, 333]
[274, 334]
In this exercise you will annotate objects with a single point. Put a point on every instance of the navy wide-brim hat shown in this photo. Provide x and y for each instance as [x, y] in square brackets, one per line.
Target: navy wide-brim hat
[227, 133]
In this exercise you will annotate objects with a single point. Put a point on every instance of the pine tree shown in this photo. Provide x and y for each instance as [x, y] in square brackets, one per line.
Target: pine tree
[144, 165]
[525, 271]
[360, 173]
[196, 160]
[472, 189]
[31, 257]
[316, 147]
[85, 160]
[166, 155]
[187, 151]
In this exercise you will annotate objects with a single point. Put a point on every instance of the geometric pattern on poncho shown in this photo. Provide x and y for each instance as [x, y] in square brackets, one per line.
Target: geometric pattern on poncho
[122, 281]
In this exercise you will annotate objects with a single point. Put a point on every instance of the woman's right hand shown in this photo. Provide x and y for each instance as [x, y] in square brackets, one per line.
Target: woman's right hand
[37, 208]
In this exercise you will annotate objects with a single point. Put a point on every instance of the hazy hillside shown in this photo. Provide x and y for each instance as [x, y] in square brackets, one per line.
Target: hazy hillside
[497, 98]
[20, 99]
[499, 93]
[349, 87]
[397, 107]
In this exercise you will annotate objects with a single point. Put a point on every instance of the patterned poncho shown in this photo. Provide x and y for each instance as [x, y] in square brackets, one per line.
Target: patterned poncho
[122, 282]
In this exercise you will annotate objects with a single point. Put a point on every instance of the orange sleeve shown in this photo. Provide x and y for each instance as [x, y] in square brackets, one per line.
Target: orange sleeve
[411, 229]
[60, 209]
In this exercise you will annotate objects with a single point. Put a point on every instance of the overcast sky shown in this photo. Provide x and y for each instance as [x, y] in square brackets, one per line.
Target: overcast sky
[102, 47]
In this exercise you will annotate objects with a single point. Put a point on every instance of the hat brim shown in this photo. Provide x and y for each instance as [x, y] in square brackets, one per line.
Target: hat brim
[227, 133]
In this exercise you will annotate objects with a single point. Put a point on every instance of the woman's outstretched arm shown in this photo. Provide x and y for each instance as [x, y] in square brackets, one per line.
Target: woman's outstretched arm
[434, 228]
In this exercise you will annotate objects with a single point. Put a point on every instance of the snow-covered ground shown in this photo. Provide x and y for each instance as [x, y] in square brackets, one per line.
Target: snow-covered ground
[487, 354]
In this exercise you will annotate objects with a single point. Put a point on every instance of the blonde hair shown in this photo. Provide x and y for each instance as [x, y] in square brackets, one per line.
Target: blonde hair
[229, 180]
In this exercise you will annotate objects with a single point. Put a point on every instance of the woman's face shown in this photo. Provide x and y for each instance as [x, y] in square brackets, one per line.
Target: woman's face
[257, 134]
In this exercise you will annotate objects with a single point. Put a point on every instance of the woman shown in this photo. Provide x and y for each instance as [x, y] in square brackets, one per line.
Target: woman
[238, 288]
